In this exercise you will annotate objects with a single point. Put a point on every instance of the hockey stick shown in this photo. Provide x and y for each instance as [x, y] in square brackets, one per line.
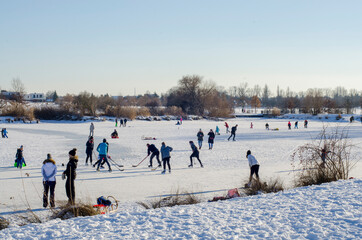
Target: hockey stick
[140, 162]
[155, 168]
[115, 164]
[119, 165]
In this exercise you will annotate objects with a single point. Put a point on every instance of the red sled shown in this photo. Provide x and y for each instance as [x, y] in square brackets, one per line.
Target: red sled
[114, 137]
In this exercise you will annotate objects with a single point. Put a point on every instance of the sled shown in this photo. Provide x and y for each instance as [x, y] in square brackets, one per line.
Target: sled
[114, 137]
[106, 205]
[232, 193]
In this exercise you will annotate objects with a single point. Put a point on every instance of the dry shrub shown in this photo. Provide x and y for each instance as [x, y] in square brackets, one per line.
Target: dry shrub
[77, 210]
[338, 160]
[184, 198]
[257, 187]
[174, 111]
[3, 223]
[52, 113]
[275, 111]
[128, 112]
[143, 111]
[18, 110]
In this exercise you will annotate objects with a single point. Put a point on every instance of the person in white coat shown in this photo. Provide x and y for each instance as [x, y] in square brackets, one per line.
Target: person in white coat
[49, 170]
[254, 166]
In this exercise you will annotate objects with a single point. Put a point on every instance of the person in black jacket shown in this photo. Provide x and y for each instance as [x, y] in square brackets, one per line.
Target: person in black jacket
[233, 131]
[211, 139]
[20, 158]
[70, 173]
[200, 138]
[152, 148]
[89, 150]
[195, 153]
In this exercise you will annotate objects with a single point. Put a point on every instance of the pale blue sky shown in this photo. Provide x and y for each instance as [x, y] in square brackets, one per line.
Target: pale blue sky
[117, 46]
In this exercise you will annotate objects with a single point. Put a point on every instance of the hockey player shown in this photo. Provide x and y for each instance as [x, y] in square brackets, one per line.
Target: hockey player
[195, 153]
[233, 132]
[254, 166]
[102, 149]
[165, 154]
[151, 148]
[89, 150]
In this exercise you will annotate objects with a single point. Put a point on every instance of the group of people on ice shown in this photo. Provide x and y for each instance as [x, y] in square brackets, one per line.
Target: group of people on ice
[122, 122]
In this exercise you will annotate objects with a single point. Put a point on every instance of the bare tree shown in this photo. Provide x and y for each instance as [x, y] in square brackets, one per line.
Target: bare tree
[19, 89]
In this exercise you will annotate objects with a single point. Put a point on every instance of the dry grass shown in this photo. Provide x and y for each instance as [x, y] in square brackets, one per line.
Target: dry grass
[257, 187]
[77, 210]
[3, 223]
[184, 198]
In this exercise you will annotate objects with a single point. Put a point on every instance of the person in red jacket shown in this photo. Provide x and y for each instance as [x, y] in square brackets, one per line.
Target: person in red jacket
[227, 127]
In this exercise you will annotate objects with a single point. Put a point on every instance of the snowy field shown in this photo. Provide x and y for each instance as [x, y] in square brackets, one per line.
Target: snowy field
[306, 213]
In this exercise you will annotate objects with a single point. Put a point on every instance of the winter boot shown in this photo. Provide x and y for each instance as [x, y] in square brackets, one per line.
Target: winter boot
[163, 172]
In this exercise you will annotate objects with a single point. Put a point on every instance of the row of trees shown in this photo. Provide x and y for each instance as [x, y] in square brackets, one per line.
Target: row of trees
[193, 95]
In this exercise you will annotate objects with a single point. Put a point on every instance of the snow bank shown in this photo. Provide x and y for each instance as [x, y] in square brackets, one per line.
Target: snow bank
[327, 211]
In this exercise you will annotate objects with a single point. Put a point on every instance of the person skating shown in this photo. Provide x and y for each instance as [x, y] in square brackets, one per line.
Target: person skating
[200, 138]
[233, 132]
[4, 133]
[165, 155]
[151, 148]
[296, 125]
[267, 126]
[289, 125]
[306, 123]
[70, 174]
[114, 134]
[102, 149]
[251, 125]
[100, 160]
[227, 127]
[195, 153]
[254, 166]
[217, 130]
[89, 150]
[91, 130]
[211, 135]
[19, 161]
[49, 170]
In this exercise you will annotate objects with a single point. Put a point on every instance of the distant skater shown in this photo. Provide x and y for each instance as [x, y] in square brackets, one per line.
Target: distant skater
[251, 125]
[289, 125]
[121, 122]
[91, 130]
[125, 122]
[195, 153]
[211, 139]
[267, 126]
[227, 127]
[4, 133]
[306, 123]
[165, 154]
[20, 162]
[296, 125]
[233, 132]
[151, 148]
[102, 149]
[49, 170]
[217, 130]
[200, 138]
[89, 150]
[116, 120]
[254, 167]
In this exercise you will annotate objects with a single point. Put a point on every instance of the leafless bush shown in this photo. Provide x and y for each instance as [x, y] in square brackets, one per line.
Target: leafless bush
[174, 111]
[275, 111]
[3, 223]
[184, 198]
[257, 187]
[78, 210]
[143, 111]
[52, 113]
[18, 110]
[338, 159]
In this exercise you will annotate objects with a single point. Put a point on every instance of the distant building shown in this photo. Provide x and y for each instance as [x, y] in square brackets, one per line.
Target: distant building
[9, 95]
[35, 97]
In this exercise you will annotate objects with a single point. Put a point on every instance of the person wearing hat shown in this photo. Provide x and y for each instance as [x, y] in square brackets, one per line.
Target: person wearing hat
[89, 150]
[254, 166]
[49, 170]
[19, 161]
[70, 174]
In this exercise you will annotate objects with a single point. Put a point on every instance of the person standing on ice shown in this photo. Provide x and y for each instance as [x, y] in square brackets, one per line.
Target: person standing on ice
[165, 154]
[306, 123]
[267, 126]
[49, 170]
[227, 127]
[211, 139]
[4, 133]
[200, 138]
[296, 125]
[233, 132]
[102, 149]
[151, 148]
[289, 125]
[254, 166]
[121, 122]
[19, 161]
[251, 125]
[70, 174]
[181, 120]
[89, 150]
[116, 120]
[91, 130]
[125, 122]
[195, 153]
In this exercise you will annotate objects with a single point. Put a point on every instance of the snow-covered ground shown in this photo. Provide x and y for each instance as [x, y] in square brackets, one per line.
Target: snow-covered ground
[311, 213]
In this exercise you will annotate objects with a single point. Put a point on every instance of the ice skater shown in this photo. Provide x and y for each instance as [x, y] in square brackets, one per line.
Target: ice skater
[233, 132]
[227, 127]
[195, 153]
[89, 150]
[102, 149]
[91, 130]
[165, 154]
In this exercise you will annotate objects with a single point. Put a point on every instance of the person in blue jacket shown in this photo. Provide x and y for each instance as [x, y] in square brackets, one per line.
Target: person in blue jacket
[102, 149]
[165, 154]
[20, 162]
